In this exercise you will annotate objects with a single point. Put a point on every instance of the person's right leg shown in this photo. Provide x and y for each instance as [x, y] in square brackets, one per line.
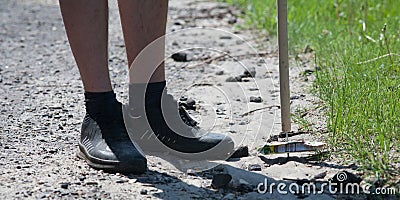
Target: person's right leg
[143, 22]
[104, 142]
[157, 120]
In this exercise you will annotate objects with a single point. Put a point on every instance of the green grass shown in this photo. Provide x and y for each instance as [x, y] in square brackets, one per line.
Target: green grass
[363, 99]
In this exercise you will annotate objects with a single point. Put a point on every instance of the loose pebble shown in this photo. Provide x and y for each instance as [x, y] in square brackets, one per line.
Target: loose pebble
[256, 99]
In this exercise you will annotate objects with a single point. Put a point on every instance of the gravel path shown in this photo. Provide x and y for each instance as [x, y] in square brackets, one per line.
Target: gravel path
[42, 106]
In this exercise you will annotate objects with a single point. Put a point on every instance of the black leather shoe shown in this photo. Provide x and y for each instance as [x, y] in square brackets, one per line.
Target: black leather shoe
[105, 144]
[166, 127]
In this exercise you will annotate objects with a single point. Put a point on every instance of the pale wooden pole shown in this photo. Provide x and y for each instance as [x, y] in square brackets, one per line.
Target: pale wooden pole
[284, 66]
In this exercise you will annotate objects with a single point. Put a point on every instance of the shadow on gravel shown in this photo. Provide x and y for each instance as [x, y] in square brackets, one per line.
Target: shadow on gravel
[171, 187]
[312, 160]
[243, 182]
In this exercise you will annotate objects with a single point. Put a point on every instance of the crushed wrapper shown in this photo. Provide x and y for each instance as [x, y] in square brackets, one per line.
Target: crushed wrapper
[291, 146]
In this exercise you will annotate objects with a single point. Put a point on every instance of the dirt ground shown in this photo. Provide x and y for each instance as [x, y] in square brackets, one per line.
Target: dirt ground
[42, 106]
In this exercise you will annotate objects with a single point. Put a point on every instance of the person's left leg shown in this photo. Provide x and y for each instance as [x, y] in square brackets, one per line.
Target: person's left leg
[104, 141]
[144, 26]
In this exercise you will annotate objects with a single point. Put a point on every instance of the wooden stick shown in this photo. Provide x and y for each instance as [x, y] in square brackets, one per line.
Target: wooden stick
[284, 65]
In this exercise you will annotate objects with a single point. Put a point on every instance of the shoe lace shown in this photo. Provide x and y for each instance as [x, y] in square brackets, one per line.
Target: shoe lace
[186, 117]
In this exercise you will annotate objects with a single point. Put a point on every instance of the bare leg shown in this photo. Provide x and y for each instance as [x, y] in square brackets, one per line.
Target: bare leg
[143, 21]
[86, 23]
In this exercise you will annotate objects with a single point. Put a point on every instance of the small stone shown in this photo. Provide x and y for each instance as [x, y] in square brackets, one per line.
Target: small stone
[120, 181]
[220, 180]
[219, 73]
[175, 43]
[132, 180]
[232, 20]
[225, 37]
[55, 107]
[42, 195]
[191, 172]
[294, 97]
[256, 99]
[92, 183]
[179, 22]
[246, 79]
[52, 151]
[242, 151]
[234, 79]
[64, 185]
[81, 178]
[229, 196]
[183, 98]
[143, 191]
[242, 123]
[254, 167]
[190, 104]
[220, 111]
[320, 175]
[244, 186]
[180, 57]
[308, 71]
[250, 72]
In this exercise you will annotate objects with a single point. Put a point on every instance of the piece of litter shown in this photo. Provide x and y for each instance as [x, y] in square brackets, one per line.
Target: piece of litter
[291, 146]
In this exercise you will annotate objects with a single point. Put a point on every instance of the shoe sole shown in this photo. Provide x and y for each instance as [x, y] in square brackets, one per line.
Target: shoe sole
[156, 148]
[139, 167]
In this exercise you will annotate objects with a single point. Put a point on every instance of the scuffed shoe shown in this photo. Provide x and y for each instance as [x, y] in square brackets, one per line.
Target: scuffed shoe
[105, 143]
[164, 126]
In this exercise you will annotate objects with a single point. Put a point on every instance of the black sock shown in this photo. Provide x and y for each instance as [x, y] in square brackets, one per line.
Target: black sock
[102, 105]
[98, 96]
[156, 87]
[153, 94]
[149, 94]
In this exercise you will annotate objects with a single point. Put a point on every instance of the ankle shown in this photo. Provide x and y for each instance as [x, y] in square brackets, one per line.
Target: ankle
[101, 104]
[146, 94]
